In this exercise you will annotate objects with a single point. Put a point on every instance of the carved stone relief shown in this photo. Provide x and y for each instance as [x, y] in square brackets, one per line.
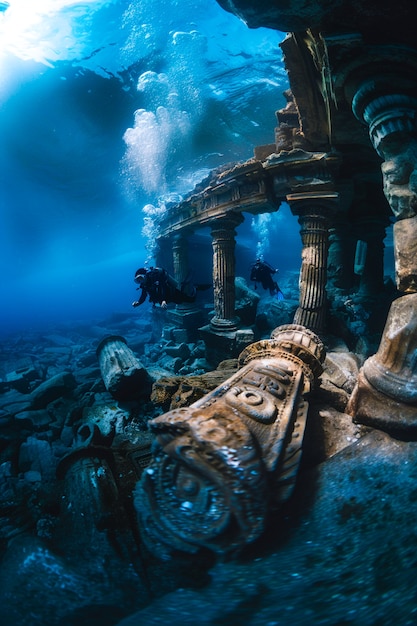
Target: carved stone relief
[220, 464]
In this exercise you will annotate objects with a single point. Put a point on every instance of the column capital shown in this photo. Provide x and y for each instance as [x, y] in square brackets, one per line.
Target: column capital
[229, 222]
[309, 203]
[182, 234]
[381, 87]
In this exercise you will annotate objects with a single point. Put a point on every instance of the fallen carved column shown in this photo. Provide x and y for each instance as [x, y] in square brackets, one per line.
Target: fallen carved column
[314, 211]
[220, 464]
[93, 529]
[123, 374]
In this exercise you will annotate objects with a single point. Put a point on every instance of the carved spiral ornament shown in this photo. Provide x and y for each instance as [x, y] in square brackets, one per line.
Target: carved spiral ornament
[220, 464]
[204, 488]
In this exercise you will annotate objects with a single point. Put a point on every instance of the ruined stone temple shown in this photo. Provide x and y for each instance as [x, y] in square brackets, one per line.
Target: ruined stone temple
[280, 487]
[343, 158]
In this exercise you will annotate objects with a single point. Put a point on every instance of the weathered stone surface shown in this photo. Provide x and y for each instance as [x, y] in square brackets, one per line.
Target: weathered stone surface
[170, 392]
[21, 378]
[124, 375]
[179, 335]
[37, 420]
[109, 418]
[180, 350]
[406, 254]
[16, 407]
[56, 387]
[222, 462]
[385, 395]
[329, 430]
[373, 408]
[36, 455]
[171, 363]
[340, 372]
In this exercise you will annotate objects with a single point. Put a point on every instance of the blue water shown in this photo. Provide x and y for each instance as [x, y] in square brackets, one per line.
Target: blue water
[108, 110]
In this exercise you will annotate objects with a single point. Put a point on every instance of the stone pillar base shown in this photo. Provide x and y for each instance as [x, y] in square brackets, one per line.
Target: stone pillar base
[223, 325]
[221, 345]
[373, 408]
[190, 320]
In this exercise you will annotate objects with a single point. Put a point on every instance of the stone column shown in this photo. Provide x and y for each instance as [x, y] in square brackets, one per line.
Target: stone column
[187, 316]
[314, 211]
[223, 233]
[123, 374]
[180, 256]
[372, 235]
[388, 105]
[386, 101]
[180, 264]
[341, 255]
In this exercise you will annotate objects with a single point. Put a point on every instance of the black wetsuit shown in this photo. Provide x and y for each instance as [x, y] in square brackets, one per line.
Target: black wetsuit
[262, 272]
[161, 287]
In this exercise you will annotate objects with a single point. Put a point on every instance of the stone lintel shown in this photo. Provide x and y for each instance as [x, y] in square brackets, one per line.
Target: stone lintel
[306, 203]
[299, 171]
[254, 187]
[201, 211]
[313, 196]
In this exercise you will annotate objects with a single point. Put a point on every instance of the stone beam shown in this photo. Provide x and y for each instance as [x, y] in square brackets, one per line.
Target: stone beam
[253, 187]
[243, 188]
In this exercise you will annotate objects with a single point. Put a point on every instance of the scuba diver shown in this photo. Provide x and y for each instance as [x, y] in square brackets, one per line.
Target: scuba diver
[262, 272]
[162, 289]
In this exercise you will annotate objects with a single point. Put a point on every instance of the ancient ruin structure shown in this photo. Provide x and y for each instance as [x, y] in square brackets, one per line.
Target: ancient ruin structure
[344, 159]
